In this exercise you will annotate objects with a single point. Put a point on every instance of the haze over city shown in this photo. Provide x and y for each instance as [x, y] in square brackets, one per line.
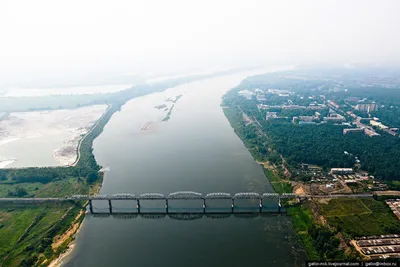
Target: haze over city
[199, 133]
[56, 43]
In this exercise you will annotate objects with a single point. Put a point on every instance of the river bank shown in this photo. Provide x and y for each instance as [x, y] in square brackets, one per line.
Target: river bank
[57, 132]
[325, 227]
[65, 242]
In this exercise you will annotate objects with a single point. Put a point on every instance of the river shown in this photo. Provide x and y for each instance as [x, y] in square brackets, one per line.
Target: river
[196, 150]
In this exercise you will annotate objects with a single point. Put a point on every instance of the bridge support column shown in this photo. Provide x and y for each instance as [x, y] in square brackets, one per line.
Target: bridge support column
[204, 205]
[138, 205]
[109, 205]
[261, 204]
[90, 206]
[166, 205]
[233, 204]
[279, 205]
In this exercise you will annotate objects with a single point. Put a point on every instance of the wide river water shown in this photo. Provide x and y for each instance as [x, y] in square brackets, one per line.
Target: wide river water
[196, 150]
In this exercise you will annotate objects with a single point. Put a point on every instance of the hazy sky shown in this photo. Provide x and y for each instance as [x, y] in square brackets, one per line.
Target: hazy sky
[54, 39]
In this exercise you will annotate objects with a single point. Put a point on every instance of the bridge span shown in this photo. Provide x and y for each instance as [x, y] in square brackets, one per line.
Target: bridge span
[183, 195]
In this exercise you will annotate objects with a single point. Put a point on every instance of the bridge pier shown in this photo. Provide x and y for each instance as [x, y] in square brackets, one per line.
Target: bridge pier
[109, 205]
[204, 205]
[138, 205]
[90, 206]
[233, 204]
[166, 205]
[261, 204]
[279, 205]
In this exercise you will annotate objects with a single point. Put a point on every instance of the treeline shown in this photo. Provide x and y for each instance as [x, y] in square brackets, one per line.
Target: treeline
[323, 145]
[326, 243]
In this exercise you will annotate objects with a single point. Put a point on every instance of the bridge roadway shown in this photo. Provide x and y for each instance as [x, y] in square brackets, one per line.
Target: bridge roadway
[181, 195]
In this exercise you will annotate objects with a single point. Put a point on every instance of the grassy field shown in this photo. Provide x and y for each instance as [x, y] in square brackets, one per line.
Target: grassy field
[360, 217]
[302, 221]
[276, 182]
[58, 188]
[27, 231]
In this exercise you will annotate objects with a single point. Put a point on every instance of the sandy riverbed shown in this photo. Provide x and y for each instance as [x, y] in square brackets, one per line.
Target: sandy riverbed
[45, 138]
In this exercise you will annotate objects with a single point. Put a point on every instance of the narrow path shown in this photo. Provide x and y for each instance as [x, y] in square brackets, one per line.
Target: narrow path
[91, 130]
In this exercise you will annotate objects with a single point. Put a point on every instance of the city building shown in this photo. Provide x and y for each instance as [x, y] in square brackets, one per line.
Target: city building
[342, 171]
[280, 92]
[378, 124]
[370, 132]
[353, 130]
[390, 132]
[261, 106]
[306, 122]
[394, 205]
[334, 118]
[333, 104]
[246, 94]
[367, 107]
[307, 118]
[271, 115]
[260, 97]
[316, 106]
[293, 107]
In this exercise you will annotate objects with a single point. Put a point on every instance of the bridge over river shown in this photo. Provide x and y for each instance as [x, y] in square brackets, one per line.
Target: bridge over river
[186, 195]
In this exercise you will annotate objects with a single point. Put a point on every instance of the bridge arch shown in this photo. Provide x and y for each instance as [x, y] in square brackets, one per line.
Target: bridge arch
[99, 197]
[218, 195]
[123, 196]
[270, 195]
[185, 195]
[247, 195]
[152, 196]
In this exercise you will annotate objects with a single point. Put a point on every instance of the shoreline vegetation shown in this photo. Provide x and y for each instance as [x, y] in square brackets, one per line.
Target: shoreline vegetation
[326, 227]
[40, 234]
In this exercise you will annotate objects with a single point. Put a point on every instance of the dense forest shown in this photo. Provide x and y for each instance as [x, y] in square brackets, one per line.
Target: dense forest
[322, 144]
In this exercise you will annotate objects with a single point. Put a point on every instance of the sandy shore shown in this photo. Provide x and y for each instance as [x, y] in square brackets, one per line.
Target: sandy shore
[59, 261]
[59, 240]
[56, 132]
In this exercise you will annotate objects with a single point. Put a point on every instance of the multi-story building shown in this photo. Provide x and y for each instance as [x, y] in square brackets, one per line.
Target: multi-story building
[378, 124]
[390, 132]
[335, 118]
[260, 97]
[353, 130]
[342, 171]
[333, 104]
[271, 115]
[370, 132]
[367, 107]
[246, 93]
[307, 118]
